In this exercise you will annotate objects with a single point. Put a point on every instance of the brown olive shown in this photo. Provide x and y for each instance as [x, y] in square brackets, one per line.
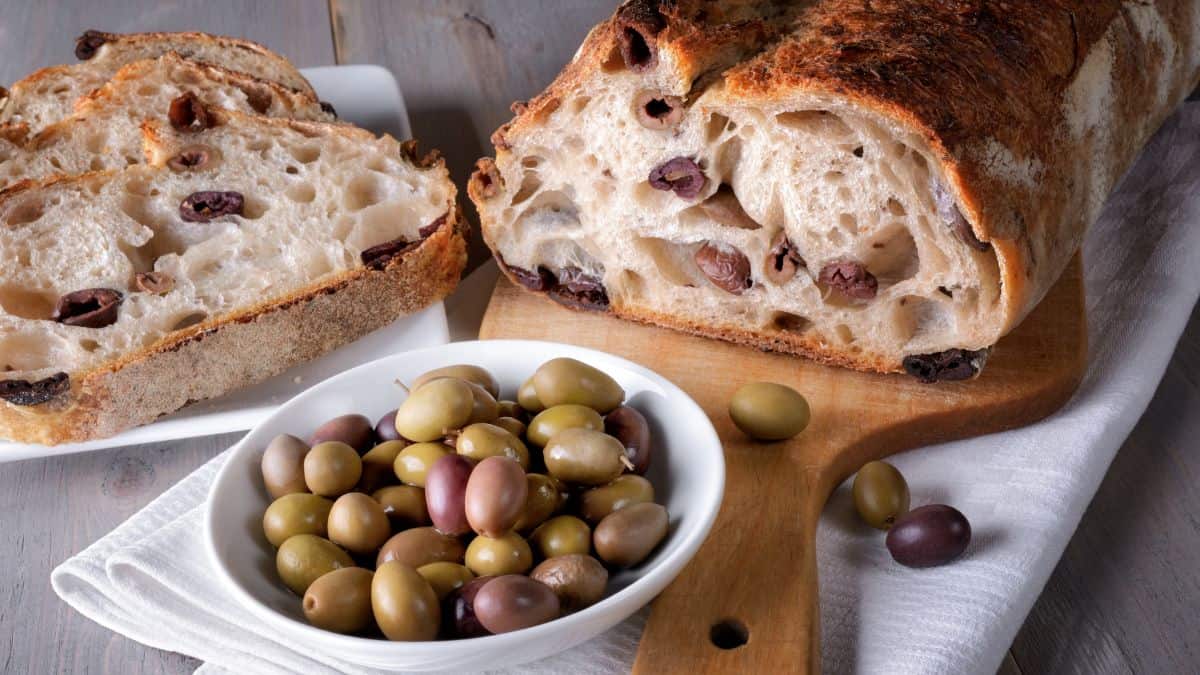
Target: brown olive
[577, 580]
[512, 602]
[358, 523]
[465, 372]
[458, 611]
[302, 559]
[568, 416]
[767, 411]
[297, 513]
[629, 426]
[378, 466]
[511, 409]
[404, 604]
[880, 494]
[404, 505]
[495, 496]
[509, 554]
[566, 380]
[595, 504]
[543, 497]
[584, 456]
[929, 536]
[340, 601]
[435, 409]
[527, 398]
[413, 462]
[353, 430]
[562, 535]
[483, 440]
[512, 425]
[445, 494]
[445, 577]
[385, 428]
[283, 466]
[420, 546]
[332, 468]
[484, 407]
[626, 537]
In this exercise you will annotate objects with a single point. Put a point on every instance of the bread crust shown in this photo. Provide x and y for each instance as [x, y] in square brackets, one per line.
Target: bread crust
[1032, 110]
[245, 347]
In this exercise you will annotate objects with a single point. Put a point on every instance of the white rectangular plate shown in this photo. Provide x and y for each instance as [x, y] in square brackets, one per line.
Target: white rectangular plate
[369, 97]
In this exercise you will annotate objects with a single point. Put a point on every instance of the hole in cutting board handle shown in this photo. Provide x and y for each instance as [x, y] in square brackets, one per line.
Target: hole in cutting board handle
[729, 634]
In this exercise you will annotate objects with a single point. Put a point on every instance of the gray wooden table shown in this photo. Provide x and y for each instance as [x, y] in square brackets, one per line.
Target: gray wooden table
[1124, 598]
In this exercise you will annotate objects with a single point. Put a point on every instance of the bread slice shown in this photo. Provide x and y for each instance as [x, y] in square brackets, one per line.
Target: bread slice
[125, 295]
[49, 95]
[885, 185]
[105, 131]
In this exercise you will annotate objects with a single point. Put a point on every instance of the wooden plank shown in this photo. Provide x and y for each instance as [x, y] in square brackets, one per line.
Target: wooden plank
[461, 63]
[39, 34]
[1125, 596]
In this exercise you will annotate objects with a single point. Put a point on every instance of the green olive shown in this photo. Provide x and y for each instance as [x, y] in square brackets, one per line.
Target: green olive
[527, 398]
[544, 497]
[584, 456]
[293, 514]
[512, 425]
[484, 407]
[378, 466]
[413, 462]
[562, 535]
[445, 577]
[488, 556]
[302, 559]
[511, 409]
[483, 440]
[420, 546]
[567, 416]
[435, 409]
[358, 523]
[340, 601]
[465, 372]
[404, 505]
[880, 494]
[332, 468]
[404, 604]
[565, 380]
[283, 465]
[627, 537]
[598, 502]
[767, 411]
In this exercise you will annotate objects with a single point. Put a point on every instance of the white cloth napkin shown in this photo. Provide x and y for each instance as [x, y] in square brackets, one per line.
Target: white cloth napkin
[1024, 491]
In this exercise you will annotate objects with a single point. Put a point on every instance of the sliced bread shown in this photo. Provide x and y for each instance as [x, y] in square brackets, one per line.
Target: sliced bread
[244, 247]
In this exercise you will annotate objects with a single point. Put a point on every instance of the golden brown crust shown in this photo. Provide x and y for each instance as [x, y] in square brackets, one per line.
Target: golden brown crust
[245, 347]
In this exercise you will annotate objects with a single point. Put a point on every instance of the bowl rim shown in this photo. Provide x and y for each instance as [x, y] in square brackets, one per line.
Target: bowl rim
[618, 606]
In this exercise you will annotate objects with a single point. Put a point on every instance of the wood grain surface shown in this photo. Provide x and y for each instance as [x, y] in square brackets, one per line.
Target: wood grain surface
[1124, 598]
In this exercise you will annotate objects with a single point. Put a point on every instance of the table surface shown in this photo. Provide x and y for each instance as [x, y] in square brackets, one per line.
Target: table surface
[1123, 599]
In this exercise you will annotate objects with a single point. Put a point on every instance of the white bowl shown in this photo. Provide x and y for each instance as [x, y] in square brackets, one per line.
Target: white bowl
[687, 469]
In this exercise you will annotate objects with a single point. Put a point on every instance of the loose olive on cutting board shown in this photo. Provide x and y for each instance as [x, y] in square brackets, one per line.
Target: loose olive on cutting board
[626, 537]
[303, 558]
[353, 430]
[584, 456]
[358, 523]
[445, 577]
[928, 536]
[566, 380]
[493, 556]
[462, 371]
[420, 546]
[562, 535]
[483, 440]
[404, 604]
[512, 602]
[332, 468]
[630, 427]
[495, 496]
[445, 490]
[434, 409]
[283, 465]
[297, 513]
[567, 416]
[403, 504]
[598, 502]
[413, 462]
[577, 580]
[880, 494]
[767, 411]
[340, 601]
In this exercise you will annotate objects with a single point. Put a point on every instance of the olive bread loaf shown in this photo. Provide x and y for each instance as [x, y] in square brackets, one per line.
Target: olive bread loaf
[889, 185]
[244, 246]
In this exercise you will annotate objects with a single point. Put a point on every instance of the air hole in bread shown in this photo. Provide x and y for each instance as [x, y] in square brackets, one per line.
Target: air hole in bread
[816, 122]
[834, 176]
[858, 151]
[895, 208]
[24, 213]
[254, 208]
[843, 333]
[139, 209]
[301, 193]
[531, 162]
[916, 317]
[148, 90]
[717, 124]
[188, 320]
[363, 191]
[723, 208]
[848, 224]
[579, 103]
[23, 352]
[305, 154]
[262, 145]
[27, 303]
[894, 257]
[790, 323]
[629, 283]
[674, 261]
[258, 97]
[89, 345]
[613, 62]
[530, 184]
[292, 169]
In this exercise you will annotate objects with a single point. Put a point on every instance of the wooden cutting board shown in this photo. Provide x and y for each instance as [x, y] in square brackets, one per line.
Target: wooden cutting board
[747, 602]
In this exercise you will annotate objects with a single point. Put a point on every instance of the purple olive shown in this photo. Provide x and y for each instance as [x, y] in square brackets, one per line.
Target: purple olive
[629, 426]
[353, 430]
[495, 496]
[929, 536]
[385, 428]
[458, 611]
[445, 493]
[514, 601]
